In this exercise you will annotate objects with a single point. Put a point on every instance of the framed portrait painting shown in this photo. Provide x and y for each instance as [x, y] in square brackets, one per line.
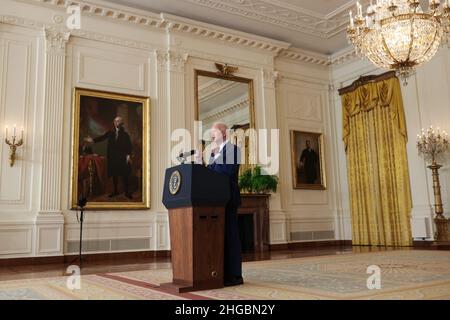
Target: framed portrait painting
[308, 161]
[110, 157]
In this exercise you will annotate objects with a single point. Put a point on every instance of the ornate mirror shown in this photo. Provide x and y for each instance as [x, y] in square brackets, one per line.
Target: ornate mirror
[222, 97]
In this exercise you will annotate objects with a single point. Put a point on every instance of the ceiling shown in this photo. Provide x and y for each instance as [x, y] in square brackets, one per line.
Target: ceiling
[316, 25]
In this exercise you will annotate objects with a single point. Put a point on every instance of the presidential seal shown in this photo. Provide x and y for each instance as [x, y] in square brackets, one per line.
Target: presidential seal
[174, 182]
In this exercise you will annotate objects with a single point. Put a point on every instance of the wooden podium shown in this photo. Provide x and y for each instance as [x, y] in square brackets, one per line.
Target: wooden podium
[196, 198]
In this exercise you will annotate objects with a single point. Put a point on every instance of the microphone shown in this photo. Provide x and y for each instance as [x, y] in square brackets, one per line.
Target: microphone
[183, 155]
[187, 154]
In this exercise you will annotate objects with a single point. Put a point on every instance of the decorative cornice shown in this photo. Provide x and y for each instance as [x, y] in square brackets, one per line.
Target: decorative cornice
[168, 22]
[284, 15]
[21, 22]
[205, 30]
[343, 56]
[305, 56]
[177, 24]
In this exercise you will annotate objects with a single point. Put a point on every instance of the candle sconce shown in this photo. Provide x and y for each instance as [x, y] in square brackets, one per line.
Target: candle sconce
[13, 145]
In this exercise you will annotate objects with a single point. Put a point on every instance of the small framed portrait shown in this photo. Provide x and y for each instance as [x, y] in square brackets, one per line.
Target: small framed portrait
[110, 157]
[308, 161]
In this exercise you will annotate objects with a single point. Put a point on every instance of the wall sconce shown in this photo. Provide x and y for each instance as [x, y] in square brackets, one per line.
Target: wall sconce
[13, 144]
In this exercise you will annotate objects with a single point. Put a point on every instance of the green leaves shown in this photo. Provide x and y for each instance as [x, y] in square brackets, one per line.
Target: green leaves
[252, 181]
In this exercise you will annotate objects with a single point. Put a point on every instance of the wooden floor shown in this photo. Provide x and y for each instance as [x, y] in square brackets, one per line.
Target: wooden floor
[128, 264]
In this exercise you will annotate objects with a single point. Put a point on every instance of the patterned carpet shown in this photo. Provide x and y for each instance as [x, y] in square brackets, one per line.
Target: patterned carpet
[409, 274]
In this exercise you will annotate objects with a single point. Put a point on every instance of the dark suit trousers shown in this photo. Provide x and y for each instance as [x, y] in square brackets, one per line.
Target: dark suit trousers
[232, 254]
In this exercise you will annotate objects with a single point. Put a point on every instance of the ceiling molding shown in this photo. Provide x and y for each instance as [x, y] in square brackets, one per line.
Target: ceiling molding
[305, 56]
[184, 25]
[147, 19]
[284, 15]
[346, 55]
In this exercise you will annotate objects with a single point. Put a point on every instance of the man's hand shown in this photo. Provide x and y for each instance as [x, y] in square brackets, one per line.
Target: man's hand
[89, 139]
[128, 159]
[198, 157]
[215, 147]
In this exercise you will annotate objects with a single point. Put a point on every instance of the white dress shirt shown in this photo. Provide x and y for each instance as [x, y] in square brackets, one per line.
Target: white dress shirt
[216, 155]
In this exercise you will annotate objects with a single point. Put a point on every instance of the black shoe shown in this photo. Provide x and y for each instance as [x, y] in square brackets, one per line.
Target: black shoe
[234, 281]
[129, 196]
[112, 195]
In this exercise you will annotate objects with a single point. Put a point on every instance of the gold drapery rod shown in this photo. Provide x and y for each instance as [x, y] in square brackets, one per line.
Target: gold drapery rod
[362, 80]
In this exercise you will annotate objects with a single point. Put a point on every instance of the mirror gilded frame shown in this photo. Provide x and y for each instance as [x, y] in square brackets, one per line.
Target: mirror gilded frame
[249, 148]
[216, 75]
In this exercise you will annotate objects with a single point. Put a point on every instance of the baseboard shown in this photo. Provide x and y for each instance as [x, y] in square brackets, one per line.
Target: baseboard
[310, 244]
[90, 257]
[429, 244]
[422, 243]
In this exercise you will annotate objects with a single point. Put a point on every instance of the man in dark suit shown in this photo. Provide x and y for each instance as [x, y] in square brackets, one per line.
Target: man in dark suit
[308, 162]
[225, 159]
[118, 155]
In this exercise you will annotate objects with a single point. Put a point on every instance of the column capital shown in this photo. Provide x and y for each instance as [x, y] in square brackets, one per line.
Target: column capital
[270, 77]
[56, 39]
[177, 60]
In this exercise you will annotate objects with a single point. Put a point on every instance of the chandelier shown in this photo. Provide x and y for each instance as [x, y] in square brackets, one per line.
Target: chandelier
[398, 34]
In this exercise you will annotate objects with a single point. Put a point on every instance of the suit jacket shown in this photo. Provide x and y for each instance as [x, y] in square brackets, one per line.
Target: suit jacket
[117, 152]
[228, 163]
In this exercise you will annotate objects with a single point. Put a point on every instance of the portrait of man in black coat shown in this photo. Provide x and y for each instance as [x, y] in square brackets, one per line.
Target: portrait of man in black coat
[118, 159]
[309, 161]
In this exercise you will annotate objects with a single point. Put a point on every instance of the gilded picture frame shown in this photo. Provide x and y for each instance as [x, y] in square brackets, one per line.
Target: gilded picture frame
[308, 160]
[247, 143]
[110, 150]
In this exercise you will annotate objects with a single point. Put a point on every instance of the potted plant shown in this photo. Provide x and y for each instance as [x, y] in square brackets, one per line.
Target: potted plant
[252, 181]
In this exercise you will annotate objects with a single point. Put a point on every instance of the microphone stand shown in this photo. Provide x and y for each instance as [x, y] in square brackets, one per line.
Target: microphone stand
[80, 256]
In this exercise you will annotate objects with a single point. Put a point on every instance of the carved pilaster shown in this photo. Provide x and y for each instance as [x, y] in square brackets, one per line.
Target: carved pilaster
[55, 60]
[161, 124]
[162, 58]
[177, 60]
[270, 77]
[56, 40]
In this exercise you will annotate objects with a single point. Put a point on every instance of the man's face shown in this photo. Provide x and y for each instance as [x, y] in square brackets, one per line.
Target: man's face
[217, 135]
[118, 122]
[308, 144]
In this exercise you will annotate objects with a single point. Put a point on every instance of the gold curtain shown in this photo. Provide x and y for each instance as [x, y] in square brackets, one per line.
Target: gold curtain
[374, 134]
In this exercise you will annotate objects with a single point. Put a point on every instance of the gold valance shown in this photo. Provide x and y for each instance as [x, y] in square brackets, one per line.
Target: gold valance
[369, 92]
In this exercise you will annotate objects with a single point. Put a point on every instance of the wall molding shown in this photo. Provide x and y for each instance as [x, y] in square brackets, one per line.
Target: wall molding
[170, 23]
[300, 55]
[284, 15]
[167, 22]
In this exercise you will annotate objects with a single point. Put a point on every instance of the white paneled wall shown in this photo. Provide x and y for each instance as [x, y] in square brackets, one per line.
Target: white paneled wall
[41, 63]
[303, 104]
